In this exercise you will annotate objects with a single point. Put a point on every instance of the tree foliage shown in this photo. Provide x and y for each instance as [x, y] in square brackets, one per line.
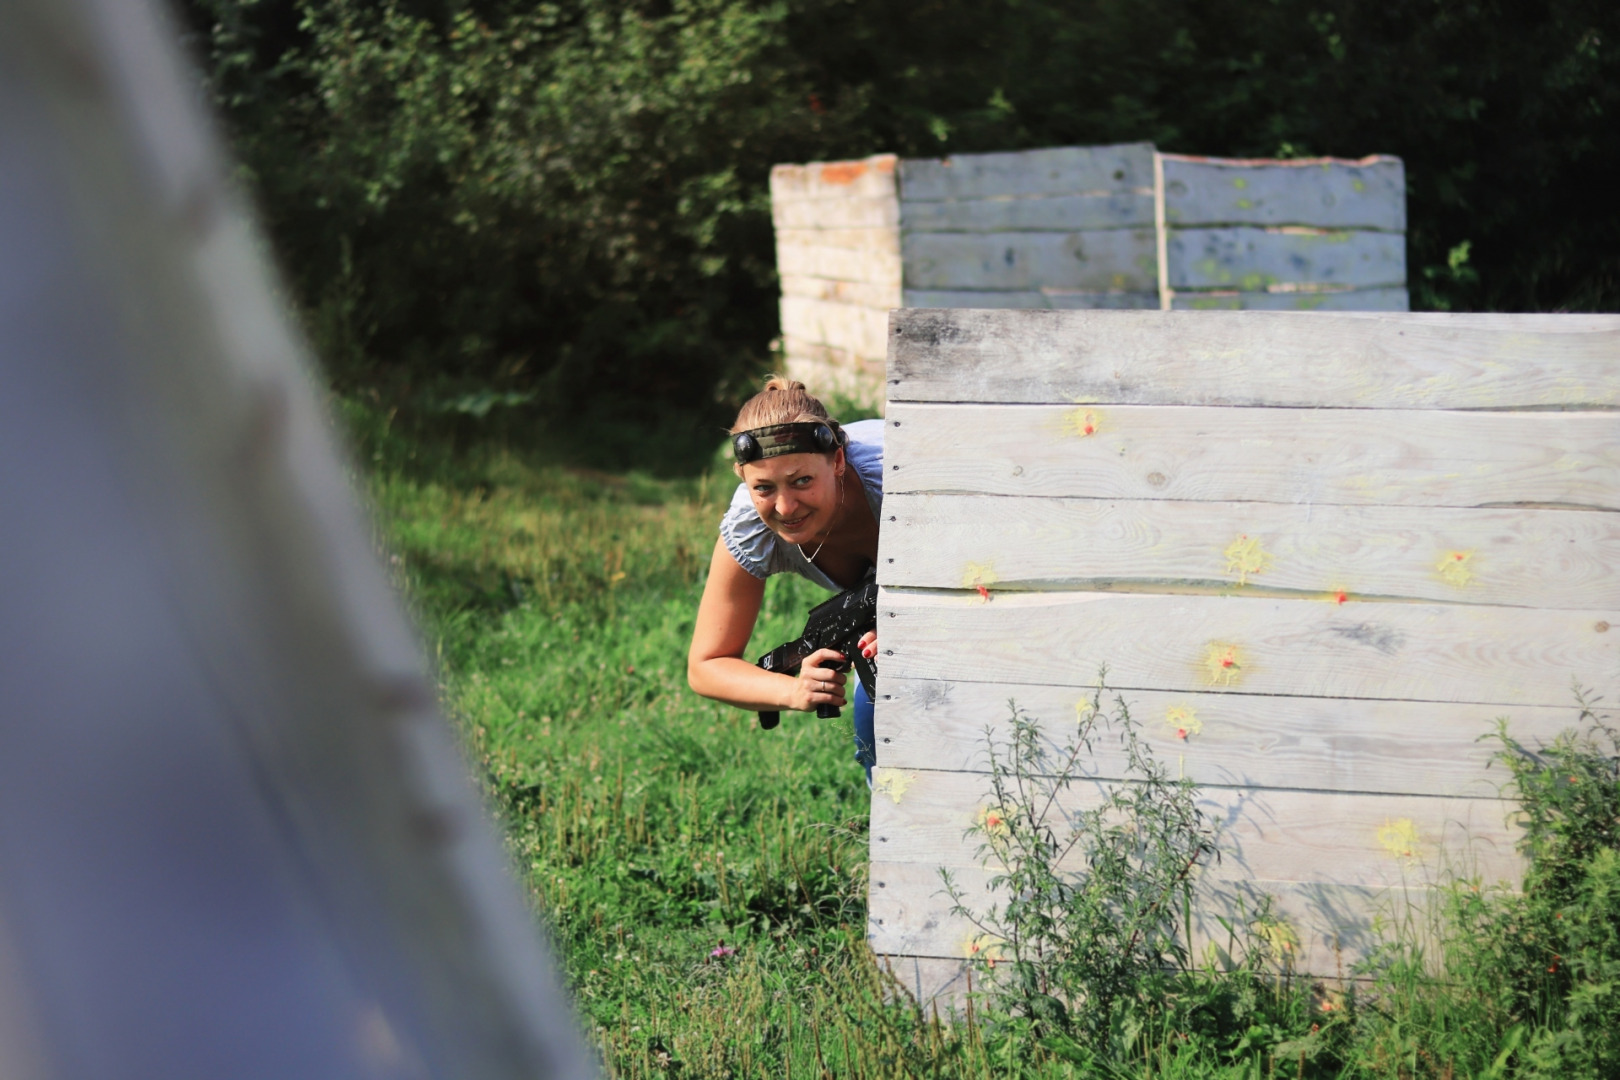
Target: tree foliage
[568, 199]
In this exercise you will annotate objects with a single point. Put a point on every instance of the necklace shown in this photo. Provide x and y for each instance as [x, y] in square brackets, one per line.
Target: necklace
[811, 558]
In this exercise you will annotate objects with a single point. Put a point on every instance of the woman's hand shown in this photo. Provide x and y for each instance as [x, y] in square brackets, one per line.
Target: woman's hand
[868, 644]
[818, 684]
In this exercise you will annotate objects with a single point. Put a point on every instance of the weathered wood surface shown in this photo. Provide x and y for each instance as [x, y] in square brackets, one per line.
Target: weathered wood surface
[1254, 358]
[1368, 194]
[1310, 457]
[866, 178]
[1528, 558]
[859, 212]
[1323, 837]
[1041, 213]
[879, 239]
[908, 916]
[834, 355]
[1100, 261]
[1253, 740]
[1418, 652]
[862, 294]
[1386, 299]
[860, 329]
[839, 264]
[1252, 259]
[1126, 167]
[1060, 299]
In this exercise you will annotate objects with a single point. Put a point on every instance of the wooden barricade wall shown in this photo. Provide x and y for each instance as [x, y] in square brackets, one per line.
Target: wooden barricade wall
[1398, 528]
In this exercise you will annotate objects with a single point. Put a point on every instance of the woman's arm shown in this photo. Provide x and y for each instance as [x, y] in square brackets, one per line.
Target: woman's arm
[715, 666]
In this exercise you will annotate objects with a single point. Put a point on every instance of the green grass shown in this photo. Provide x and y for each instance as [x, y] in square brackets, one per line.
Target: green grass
[703, 883]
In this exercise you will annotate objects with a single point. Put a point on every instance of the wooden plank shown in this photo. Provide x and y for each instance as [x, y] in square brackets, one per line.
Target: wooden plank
[1385, 299]
[1414, 361]
[840, 264]
[1069, 170]
[1037, 213]
[799, 350]
[1529, 558]
[1367, 194]
[859, 329]
[860, 294]
[1335, 925]
[864, 178]
[1328, 744]
[856, 212]
[1102, 261]
[1311, 457]
[934, 983]
[1414, 652]
[879, 239]
[1043, 298]
[1330, 838]
[1253, 259]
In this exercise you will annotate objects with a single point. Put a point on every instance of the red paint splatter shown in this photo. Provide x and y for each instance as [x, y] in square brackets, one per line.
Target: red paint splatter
[1341, 598]
[1227, 661]
[1181, 733]
[984, 593]
[1459, 556]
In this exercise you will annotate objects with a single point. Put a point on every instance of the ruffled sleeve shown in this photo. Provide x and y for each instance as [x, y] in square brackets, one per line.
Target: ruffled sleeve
[749, 539]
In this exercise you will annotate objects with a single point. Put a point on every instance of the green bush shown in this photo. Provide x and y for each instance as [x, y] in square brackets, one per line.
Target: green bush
[567, 201]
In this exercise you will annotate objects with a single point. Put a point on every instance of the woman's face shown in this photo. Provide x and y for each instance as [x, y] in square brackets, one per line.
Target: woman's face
[796, 494]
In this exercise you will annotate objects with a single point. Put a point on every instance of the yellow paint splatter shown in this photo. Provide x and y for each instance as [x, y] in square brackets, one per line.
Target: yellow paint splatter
[1184, 721]
[1084, 709]
[1082, 423]
[993, 820]
[1278, 936]
[891, 782]
[1245, 556]
[979, 577]
[1453, 567]
[1399, 838]
[1224, 663]
[984, 947]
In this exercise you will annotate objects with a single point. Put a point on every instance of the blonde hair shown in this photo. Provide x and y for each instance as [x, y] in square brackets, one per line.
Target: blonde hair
[783, 401]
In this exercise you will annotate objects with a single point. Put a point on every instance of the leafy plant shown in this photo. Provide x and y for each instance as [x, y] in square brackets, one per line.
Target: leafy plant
[1096, 878]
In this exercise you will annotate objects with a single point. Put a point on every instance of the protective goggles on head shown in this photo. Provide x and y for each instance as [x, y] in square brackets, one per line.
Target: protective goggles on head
[810, 437]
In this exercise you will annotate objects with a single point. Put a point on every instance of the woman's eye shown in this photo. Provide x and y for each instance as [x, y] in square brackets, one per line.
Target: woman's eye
[803, 481]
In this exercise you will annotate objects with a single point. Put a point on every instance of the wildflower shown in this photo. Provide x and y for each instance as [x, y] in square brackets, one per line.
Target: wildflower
[721, 951]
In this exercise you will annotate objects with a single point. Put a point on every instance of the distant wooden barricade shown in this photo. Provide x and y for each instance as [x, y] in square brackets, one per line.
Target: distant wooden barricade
[1074, 227]
[1395, 527]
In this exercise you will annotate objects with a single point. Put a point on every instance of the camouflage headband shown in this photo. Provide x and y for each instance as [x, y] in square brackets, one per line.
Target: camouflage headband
[812, 437]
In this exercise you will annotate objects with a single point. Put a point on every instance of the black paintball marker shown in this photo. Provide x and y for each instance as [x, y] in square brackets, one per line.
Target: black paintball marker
[840, 623]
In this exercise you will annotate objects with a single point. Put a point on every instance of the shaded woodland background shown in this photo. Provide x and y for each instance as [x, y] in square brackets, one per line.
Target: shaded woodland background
[555, 214]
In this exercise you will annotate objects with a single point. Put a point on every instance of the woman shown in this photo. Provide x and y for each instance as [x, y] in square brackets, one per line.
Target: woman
[809, 503]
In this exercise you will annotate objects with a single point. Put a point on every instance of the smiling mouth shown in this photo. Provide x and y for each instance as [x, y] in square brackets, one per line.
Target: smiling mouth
[793, 523]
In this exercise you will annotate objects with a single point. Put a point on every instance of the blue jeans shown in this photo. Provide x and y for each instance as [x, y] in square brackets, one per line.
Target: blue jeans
[865, 732]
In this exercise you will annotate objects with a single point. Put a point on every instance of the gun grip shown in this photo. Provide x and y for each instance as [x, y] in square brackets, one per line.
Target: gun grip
[827, 712]
[768, 720]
